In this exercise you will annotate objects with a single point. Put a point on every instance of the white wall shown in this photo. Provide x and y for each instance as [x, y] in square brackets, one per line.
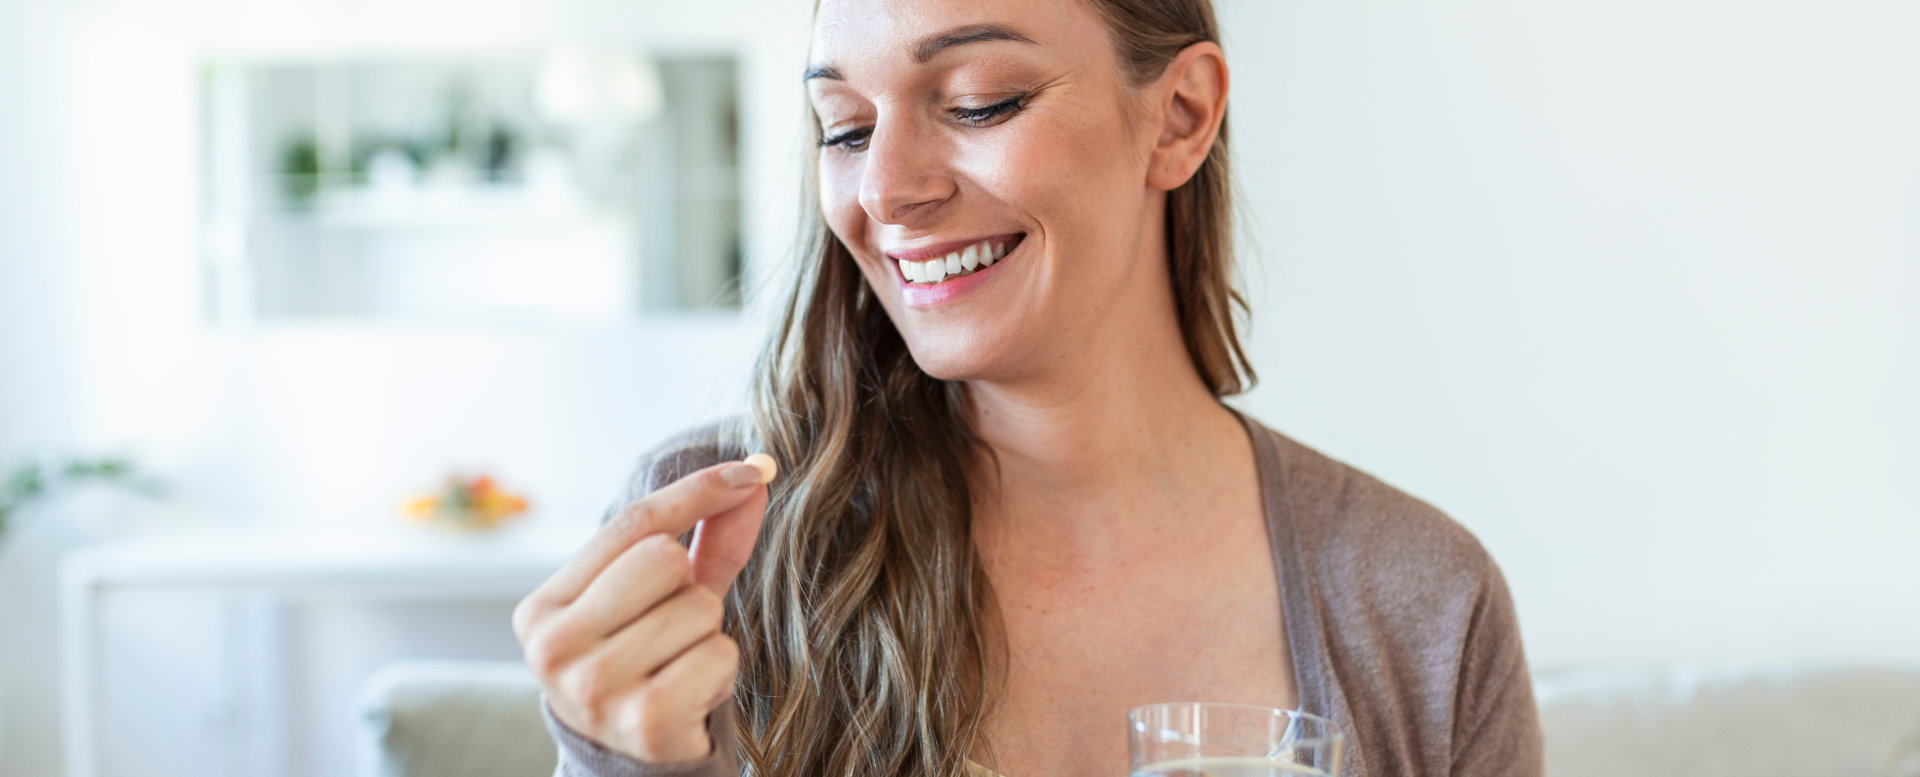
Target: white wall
[1624, 287]
[105, 348]
[36, 329]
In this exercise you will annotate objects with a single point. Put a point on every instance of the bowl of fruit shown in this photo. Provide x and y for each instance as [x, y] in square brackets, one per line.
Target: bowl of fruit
[473, 504]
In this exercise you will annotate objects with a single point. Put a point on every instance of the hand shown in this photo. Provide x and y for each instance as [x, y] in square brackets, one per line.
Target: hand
[625, 639]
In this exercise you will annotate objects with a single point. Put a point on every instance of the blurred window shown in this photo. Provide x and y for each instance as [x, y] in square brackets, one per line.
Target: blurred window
[573, 185]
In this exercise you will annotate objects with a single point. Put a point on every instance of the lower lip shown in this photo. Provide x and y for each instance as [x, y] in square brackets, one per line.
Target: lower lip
[927, 295]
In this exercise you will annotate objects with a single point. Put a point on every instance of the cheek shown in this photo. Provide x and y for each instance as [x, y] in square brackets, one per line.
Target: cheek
[1055, 167]
[840, 203]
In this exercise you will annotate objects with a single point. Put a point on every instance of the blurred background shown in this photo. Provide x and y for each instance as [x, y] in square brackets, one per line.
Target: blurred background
[328, 328]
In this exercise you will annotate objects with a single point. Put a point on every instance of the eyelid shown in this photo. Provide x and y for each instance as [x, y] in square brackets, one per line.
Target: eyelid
[983, 116]
[838, 140]
[994, 110]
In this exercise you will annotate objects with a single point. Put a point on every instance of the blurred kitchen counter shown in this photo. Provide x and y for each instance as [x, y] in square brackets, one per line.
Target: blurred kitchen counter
[241, 652]
[399, 561]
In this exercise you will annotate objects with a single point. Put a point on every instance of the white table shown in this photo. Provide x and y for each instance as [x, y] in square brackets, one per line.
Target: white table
[367, 567]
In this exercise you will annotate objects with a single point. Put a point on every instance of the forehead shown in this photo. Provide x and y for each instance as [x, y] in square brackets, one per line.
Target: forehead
[851, 34]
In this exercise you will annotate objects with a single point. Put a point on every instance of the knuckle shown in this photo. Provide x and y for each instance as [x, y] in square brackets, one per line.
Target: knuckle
[543, 655]
[632, 521]
[538, 660]
[628, 718]
[595, 717]
[655, 728]
[527, 612]
[585, 685]
[627, 714]
[650, 698]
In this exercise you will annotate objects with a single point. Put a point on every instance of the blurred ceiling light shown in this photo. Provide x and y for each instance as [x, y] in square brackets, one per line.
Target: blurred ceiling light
[579, 86]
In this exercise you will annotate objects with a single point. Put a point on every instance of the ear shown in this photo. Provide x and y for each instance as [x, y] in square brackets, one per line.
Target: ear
[1193, 101]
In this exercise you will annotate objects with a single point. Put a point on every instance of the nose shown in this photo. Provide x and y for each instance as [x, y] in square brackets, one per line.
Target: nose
[906, 176]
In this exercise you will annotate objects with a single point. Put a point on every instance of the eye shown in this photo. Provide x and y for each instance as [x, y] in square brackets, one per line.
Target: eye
[980, 116]
[851, 140]
[856, 140]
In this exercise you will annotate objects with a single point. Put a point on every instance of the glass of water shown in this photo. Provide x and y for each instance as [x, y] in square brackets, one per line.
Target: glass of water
[1195, 739]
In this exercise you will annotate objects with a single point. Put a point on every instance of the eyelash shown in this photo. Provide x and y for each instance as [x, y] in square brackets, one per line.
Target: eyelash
[972, 115]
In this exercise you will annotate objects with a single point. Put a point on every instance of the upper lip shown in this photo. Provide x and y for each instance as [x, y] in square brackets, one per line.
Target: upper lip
[938, 250]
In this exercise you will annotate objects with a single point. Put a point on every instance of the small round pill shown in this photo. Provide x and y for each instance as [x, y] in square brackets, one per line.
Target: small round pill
[766, 465]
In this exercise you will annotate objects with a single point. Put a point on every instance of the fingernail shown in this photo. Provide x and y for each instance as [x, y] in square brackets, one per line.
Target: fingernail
[740, 474]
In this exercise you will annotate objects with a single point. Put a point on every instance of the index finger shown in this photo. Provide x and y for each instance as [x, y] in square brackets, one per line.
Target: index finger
[671, 509]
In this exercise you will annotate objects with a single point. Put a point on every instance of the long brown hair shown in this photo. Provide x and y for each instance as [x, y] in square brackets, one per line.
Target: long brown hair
[860, 616]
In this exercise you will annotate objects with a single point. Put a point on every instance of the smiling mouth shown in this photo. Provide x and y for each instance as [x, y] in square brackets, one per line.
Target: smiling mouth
[966, 261]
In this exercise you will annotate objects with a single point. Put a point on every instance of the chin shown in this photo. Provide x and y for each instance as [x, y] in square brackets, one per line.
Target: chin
[958, 356]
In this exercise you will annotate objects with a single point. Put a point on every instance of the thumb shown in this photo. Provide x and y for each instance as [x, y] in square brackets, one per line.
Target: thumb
[722, 543]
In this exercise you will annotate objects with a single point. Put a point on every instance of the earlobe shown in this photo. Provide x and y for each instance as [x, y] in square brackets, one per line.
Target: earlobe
[1196, 93]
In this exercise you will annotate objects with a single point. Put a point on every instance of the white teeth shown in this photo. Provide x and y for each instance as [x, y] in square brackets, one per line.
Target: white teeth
[974, 257]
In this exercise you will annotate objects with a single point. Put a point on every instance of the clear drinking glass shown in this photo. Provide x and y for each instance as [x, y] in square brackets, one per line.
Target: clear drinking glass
[1194, 739]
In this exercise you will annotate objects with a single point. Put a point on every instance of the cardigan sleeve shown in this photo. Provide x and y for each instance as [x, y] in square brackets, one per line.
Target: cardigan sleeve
[1496, 724]
[583, 757]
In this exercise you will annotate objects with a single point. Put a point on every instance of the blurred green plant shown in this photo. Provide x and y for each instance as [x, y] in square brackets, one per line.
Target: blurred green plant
[300, 169]
[37, 480]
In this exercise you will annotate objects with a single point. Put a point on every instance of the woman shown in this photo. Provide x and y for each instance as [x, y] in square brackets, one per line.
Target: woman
[1014, 505]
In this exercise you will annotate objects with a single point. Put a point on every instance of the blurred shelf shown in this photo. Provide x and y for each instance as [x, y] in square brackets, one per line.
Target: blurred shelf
[411, 562]
[467, 209]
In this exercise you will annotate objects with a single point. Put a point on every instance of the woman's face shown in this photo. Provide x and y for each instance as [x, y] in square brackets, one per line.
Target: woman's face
[995, 124]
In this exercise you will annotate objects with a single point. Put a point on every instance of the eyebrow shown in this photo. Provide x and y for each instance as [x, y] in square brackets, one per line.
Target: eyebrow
[925, 49]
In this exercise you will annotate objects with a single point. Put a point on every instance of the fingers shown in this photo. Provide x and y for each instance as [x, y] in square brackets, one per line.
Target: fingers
[672, 509]
[637, 581]
[701, 678]
[724, 542]
[646, 691]
[668, 716]
[647, 645]
[626, 637]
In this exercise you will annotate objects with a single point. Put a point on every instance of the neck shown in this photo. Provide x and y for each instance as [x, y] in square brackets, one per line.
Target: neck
[1117, 428]
[1093, 465]
[1081, 436]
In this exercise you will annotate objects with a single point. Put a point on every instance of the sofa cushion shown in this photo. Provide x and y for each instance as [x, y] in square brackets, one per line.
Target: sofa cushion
[455, 719]
[1836, 721]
